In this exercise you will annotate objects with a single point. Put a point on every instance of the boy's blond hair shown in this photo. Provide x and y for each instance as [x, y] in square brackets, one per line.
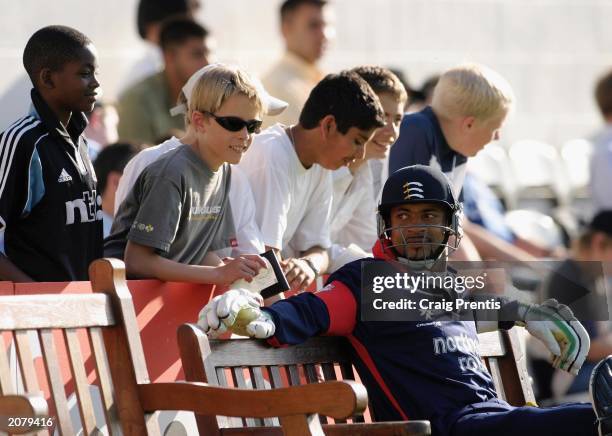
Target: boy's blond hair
[216, 84]
[472, 90]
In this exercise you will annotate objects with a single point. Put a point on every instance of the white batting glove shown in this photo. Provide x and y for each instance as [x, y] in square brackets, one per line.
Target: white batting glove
[262, 327]
[224, 310]
[564, 336]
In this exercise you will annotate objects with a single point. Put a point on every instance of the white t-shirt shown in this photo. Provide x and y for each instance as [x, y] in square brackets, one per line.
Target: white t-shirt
[353, 209]
[241, 198]
[293, 202]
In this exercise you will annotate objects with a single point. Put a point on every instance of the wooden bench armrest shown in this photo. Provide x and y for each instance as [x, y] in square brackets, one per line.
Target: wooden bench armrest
[337, 399]
[21, 406]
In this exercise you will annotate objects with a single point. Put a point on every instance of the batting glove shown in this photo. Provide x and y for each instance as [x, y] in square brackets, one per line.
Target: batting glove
[557, 327]
[261, 327]
[231, 310]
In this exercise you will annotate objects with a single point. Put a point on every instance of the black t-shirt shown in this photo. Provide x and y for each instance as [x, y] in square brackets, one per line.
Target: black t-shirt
[50, 212]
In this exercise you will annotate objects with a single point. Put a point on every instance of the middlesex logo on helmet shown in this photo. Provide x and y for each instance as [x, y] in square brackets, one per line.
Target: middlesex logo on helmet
[413, 190]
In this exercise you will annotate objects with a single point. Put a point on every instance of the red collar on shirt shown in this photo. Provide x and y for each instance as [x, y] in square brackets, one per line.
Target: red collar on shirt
[385, 253]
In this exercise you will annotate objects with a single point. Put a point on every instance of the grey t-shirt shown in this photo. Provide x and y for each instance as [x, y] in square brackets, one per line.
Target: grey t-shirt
[177, 206]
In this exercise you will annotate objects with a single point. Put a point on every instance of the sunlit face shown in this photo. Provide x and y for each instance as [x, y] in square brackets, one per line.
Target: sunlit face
[75, 84]
[307, 31]
[343, 149]
[220, 145]
[415, 235]
[189, 57]
[482, 133]
[378, 146]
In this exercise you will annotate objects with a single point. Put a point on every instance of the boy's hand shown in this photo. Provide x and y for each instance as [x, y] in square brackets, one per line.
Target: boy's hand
[564, 336]
[298, 273]
[244, 267]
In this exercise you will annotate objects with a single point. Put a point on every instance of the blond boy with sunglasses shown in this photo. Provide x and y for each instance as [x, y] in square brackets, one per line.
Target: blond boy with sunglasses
[178, 210]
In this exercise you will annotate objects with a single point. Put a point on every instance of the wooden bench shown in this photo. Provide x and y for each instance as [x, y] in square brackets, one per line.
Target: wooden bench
[225, 362]
[219, 362]
[506, 361]
[103, 326]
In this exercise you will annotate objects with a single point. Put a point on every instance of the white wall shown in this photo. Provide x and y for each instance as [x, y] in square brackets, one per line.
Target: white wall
[550, 50]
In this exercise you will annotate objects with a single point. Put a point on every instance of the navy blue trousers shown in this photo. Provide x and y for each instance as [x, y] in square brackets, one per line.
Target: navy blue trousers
[493, 419]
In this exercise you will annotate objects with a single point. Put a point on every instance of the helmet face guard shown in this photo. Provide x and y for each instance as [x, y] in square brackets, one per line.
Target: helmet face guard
[420, 184]
[430, 252]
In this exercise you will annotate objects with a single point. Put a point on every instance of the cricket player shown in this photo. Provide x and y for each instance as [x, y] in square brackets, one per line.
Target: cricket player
[432, 369]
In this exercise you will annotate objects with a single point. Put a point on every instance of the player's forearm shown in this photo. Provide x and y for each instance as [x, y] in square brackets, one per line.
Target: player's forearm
[143, 262]
[298, 318]
[9, 271]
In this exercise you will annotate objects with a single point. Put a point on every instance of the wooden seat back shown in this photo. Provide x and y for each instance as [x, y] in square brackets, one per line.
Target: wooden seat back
[45, 330]
[249, 363]
[246, 363]
[254, 364]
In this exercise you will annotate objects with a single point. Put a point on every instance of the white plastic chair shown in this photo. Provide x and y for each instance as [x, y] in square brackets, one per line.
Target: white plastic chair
[539, 172]
[536, 227]
[576, 155]
[492, 166]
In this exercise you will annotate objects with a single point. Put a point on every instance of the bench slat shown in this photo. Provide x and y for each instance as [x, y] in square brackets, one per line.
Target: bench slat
[106, 384]
[294, 375]
[275, 376]
[6, 384]
[26, 361]
[77, 365]
[258, 381]
[496, 374]
[239, 381]
[23, 312]
[56, 384]
[315, 350]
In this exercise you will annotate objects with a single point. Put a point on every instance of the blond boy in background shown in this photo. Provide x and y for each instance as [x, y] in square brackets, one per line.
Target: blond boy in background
[469, 106]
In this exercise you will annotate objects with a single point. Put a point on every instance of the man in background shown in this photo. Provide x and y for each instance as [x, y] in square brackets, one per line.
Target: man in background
[306, 30]
[144, 109]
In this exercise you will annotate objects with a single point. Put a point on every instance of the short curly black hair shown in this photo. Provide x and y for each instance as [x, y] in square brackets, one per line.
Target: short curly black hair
[52, 47]
[175, 31]
[348, 98]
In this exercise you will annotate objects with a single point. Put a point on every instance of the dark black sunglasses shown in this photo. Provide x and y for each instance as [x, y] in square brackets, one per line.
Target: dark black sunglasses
[235, 124]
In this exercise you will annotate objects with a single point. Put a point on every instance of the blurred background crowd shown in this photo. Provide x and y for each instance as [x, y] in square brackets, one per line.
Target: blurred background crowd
[540, 183]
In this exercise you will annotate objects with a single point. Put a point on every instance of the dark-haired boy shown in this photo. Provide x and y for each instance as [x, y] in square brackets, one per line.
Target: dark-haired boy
[144, 109]
[150, 16]
[109, 165]
[50, 217]
[288, 167]
[352, 227]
